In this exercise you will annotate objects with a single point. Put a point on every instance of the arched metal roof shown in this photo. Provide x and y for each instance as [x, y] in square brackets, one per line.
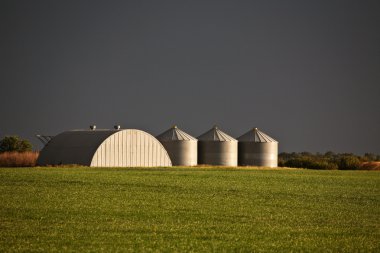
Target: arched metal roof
[105, 148]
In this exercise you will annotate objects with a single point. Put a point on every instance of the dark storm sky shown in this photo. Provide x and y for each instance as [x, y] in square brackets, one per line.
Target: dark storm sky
[305, 72]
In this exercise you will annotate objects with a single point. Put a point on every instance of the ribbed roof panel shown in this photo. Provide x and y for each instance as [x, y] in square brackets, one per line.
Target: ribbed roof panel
[255, 135]
[175, 134]
[215, 134]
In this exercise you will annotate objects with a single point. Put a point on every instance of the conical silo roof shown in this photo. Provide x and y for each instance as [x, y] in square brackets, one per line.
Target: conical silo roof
[215, 134]
[175, 134]
[255, 135]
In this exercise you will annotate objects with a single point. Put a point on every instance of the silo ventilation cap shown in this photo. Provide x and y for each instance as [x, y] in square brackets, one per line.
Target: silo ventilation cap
[93, 127]
[116, 127]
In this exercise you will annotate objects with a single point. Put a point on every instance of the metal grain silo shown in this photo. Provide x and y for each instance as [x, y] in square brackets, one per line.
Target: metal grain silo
[181, 147]
[257, 149]
[217, 148]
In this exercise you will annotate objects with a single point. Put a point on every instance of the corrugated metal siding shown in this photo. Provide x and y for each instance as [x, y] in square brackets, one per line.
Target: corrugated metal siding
[181, 147]
[218, 153]
[182, 153]
[73, 147]
[258, 153]
[131, 148]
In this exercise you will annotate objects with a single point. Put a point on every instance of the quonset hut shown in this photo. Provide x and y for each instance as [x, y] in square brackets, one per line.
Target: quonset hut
[181, 147]
[105, 148]
[258, 149]
[217, 148]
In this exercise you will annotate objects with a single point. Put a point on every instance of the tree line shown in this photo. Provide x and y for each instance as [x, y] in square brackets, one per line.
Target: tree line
[326, 161]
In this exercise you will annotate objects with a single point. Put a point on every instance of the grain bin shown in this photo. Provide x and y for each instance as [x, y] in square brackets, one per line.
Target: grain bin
[181, 147]
[217, 148]
[257, 149]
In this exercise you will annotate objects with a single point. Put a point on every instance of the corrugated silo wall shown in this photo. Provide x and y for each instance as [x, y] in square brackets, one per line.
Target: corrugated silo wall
[182, 153]
[258, 154]
[217, 153]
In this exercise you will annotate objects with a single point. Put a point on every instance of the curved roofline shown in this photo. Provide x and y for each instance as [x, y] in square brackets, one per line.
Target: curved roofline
[69, 140]
[132, 129]
[80, 146]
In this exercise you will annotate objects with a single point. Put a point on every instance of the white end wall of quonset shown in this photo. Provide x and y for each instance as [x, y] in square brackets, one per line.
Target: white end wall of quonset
[131, 148]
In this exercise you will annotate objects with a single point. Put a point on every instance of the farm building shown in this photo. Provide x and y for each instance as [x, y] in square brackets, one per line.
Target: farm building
[258, 149]
[182, 147]
[217, 148]
[105, 148]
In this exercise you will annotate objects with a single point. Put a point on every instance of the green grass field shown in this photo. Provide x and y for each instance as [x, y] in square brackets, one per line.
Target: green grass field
[194, 209]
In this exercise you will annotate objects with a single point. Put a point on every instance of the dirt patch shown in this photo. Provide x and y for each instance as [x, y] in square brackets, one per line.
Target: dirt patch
[370, 166]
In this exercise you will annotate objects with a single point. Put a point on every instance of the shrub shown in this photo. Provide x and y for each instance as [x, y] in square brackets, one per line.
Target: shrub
[14, 143]
[18, 159]
[281, 162]
[349, 162]
[310, 163]
[327, 161]
[370, 157]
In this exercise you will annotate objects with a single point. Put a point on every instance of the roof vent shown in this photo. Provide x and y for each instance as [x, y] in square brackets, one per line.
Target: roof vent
[92, 127]
[45, 139]
[116, 127]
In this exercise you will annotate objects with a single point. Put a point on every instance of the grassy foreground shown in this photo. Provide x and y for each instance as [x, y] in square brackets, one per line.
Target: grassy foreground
[195, 209]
